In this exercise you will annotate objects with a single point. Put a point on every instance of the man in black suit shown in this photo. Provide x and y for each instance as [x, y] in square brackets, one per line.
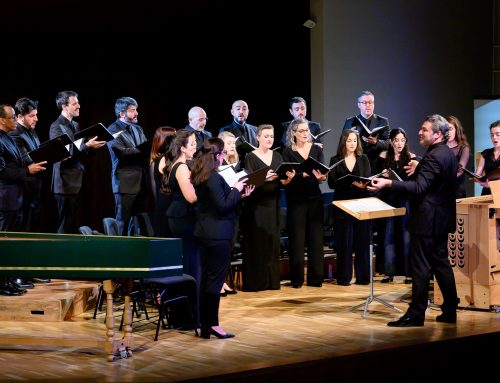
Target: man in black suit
[298, 109]
[373, 144]
[432, 217]
[129, 156]
[13, 174]
[27, 140]
[197, 118]
[67, 176]
[240, 128]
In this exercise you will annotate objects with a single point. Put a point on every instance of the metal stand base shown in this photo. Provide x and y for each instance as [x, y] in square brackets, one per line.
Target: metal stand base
[372, 298]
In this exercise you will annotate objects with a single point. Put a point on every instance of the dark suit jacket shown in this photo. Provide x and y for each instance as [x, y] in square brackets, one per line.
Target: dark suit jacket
[432, 200]
[129, 163]
[13, 174]
[67, 176]
[237, 130]
[201, 136]
[216, 205]
[314, 128]
[27, 140]
[372, 151]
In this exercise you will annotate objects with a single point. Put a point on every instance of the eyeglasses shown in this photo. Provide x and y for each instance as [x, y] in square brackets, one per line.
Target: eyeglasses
[367, 102]
[302, 131]
[202, 119]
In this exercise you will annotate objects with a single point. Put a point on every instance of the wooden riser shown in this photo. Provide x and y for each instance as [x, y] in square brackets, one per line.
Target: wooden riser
[57, 301]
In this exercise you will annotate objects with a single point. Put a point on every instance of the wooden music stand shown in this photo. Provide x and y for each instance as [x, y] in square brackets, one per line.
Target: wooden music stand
[370, 208]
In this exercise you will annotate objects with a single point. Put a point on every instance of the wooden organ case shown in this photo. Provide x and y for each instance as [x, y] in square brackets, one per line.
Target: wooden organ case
[474, 252]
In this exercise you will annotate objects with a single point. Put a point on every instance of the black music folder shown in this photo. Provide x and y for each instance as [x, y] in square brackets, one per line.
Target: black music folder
[491, 176]
[99, 130]
[375, 131]
[256, 178]
[319, 135]
[63, 137]
[286, 167]
[51, 151]
[308, 165]
[243, 145]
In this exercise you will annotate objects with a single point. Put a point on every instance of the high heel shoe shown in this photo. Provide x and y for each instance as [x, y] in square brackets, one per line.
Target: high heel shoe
[229, 292]
[207, 331]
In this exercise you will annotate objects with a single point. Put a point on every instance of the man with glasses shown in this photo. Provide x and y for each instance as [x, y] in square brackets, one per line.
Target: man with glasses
[197, 121]
[367, 121]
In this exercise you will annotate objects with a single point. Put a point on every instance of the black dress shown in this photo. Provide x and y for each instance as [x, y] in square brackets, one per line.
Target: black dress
[261, 231]
[162, 202]
[490, 164]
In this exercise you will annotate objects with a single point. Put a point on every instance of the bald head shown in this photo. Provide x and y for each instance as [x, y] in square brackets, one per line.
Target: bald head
[197, 118]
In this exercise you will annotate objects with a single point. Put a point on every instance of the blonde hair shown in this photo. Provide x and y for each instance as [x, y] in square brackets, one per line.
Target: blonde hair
[230, 159]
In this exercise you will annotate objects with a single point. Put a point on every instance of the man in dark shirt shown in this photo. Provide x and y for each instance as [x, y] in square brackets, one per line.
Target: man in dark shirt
[197, 118]
[298, 109]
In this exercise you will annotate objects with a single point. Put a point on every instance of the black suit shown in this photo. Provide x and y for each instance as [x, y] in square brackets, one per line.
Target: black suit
[314, 128]
[375, 121]
[247, 131]
[200, 135]
[27, 140]
[432, 217]
[129, 172]
[13, 174]
[214, 232]
[67, 177]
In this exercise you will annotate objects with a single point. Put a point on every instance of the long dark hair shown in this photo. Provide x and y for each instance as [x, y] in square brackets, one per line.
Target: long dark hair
[161, 141]
[206, 162]
[181, 140]
[341, 149]
[404, 157]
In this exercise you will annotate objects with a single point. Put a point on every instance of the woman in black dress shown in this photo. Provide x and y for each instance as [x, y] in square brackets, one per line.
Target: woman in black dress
[160, 144]
[457, 142]
[490, 158]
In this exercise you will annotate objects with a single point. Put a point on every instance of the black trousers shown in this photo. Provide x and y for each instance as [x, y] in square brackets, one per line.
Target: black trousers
[214, 256]
[126, 205]
[305, 229]
[429, 256]
[67, 206]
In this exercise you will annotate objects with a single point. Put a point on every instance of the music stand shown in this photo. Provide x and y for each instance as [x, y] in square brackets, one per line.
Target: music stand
[370, 208]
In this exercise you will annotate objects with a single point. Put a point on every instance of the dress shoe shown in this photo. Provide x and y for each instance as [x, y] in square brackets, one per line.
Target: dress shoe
[408, 281]
[230, 292]
[407, 321]
[362, 282]
[297, 285]
[207, 331]
[340, 283]
[450, 317]
[8, 290]
[387, 279]
[314, 284]
[223, 293]
[22, 284]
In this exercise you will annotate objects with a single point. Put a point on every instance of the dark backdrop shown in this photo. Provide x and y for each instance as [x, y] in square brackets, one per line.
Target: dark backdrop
[168, 55]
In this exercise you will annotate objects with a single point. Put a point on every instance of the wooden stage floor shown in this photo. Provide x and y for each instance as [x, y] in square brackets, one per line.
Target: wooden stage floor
[290, 334]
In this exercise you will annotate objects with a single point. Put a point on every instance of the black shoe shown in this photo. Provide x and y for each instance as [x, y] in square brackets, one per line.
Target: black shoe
[340, 283]
[407, 321]
[10, 289]
[314, 284]
[408, 281]
[362, 282]
[207, 331]
[223, 294]
[22, 284]
[447, 317]
[387, 280]
[230, 292]
[297, 285]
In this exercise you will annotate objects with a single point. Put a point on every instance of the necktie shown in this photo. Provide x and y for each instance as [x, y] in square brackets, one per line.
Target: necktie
[133, 133]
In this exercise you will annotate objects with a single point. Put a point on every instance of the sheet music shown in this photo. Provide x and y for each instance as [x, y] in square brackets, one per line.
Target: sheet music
[366, 204]
[78, 143]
